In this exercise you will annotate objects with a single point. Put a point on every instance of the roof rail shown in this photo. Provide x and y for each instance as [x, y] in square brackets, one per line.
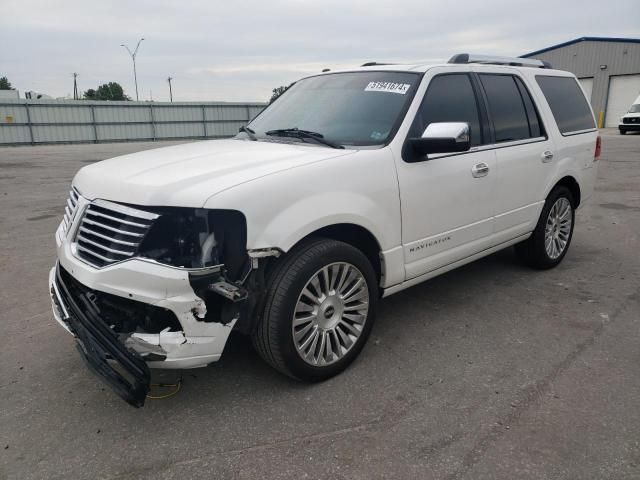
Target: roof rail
[494, 60]
[374, 64]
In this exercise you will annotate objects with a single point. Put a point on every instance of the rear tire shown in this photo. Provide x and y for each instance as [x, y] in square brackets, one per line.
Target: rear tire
[319, 310]
[549, 242]
[623, 132]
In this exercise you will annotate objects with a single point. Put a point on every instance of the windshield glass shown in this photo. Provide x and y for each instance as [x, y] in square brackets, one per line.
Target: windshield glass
[635, 108]
[361, 108]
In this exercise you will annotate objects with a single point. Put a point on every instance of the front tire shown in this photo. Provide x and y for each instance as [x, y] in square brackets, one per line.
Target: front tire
[319, 310]
[623, 132]
[549, 242]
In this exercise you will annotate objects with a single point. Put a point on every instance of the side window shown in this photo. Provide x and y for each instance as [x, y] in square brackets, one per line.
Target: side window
[506, 107]
[535, 125]
[567, 102]
[449, 98]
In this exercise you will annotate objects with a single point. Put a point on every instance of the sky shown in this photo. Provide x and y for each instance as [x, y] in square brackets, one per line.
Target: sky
[241, 50]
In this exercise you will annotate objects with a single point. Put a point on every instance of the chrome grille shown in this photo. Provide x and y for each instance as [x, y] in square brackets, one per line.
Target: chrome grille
[110, 232]
[70, 209]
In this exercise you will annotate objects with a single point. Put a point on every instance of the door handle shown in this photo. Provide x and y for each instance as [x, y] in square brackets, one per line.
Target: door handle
[547, 156]
[480, 170]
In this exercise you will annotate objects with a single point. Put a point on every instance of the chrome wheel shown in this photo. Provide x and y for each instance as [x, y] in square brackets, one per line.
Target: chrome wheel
[558, 228]
[330, 314]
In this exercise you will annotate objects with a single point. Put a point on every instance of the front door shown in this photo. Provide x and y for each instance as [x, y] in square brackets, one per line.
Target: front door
[447, 200]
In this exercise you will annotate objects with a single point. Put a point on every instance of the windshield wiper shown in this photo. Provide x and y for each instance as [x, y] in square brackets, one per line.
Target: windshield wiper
[251, 134]
[302, 134]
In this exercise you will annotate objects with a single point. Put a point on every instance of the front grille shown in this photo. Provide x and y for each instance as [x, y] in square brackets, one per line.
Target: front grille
[631, 120]
[110, 232]
[70, 209]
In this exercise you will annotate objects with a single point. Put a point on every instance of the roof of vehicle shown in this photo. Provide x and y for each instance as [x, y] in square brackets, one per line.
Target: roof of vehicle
[420, 67]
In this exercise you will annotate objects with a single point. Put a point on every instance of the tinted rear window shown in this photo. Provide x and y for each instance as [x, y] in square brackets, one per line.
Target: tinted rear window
[567, 102]
[535, 125]
[506, 106]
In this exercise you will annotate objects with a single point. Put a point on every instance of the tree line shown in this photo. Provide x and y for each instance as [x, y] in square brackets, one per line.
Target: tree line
[106, 91]
[114, 91]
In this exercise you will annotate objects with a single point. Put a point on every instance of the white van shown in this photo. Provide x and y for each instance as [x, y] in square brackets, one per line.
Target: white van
[352, 186]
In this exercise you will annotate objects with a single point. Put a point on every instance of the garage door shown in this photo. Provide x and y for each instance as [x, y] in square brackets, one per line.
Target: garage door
[587, 86]
[623, 90]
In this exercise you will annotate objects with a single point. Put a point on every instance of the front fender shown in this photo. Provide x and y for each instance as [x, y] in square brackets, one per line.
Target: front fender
[283, 208]
[314, 212]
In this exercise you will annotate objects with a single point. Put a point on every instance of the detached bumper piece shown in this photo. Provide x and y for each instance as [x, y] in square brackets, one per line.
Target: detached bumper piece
[120, 368]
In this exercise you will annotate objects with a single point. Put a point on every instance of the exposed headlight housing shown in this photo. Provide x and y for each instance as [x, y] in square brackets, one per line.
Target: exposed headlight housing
[178, 238]
[194, 237]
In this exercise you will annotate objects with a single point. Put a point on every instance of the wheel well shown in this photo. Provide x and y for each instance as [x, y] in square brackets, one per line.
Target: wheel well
[573, 187]
[356, 236]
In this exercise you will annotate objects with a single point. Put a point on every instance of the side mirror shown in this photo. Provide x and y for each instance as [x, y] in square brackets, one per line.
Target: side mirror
[445, 137]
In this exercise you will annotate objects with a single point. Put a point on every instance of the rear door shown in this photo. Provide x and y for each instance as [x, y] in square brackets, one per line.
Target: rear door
[574, 129]
[524, 152]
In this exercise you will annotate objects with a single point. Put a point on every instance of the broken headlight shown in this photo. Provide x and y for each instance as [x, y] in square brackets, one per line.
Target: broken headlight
[182, 237]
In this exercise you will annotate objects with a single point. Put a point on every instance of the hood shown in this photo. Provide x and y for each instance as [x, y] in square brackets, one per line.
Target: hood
[187, 175]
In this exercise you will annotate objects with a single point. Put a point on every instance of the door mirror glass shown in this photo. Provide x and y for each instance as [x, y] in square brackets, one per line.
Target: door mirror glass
[443, 137]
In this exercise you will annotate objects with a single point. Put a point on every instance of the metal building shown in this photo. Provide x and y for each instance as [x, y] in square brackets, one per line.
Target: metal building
[608, 69]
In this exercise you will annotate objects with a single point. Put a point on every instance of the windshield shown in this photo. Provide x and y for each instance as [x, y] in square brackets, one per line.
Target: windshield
[635, 108]
[361, 108]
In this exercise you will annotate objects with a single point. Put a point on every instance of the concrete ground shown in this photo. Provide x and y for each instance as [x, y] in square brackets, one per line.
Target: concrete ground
[490, 371]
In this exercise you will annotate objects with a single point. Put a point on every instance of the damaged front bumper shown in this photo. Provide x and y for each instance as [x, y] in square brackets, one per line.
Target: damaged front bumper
[122, 369]
[88, 302]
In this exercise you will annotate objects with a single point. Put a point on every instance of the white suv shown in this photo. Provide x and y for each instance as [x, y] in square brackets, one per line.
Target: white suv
[630, 121]
[351, 186]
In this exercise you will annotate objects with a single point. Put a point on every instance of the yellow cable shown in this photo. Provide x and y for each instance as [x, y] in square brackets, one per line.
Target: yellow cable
[170, 394]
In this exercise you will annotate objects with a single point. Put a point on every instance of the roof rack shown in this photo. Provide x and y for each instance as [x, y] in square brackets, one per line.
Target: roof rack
[494, 60]
[374, 64]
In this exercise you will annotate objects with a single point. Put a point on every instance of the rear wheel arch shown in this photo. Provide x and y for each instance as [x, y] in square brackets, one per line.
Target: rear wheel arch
[552, 226]
[572, 184]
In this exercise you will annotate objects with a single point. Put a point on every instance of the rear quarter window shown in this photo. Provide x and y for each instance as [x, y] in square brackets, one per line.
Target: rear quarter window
[567, 102]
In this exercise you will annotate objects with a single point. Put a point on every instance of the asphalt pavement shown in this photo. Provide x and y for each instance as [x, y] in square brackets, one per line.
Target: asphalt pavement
[492, 371]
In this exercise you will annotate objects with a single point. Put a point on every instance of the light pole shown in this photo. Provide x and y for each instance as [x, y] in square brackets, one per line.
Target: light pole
[133, 58]
[170, 92]
[75, 86]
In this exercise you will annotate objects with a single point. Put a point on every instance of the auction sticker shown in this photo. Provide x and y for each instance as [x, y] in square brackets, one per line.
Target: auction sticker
[388, 87]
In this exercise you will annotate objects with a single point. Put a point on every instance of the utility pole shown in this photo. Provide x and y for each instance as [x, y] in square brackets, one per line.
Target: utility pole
[133, 59]
[170, 92]
[75, 86]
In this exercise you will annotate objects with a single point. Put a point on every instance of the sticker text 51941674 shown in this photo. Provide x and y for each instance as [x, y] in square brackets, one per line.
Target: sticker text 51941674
[388, 87]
